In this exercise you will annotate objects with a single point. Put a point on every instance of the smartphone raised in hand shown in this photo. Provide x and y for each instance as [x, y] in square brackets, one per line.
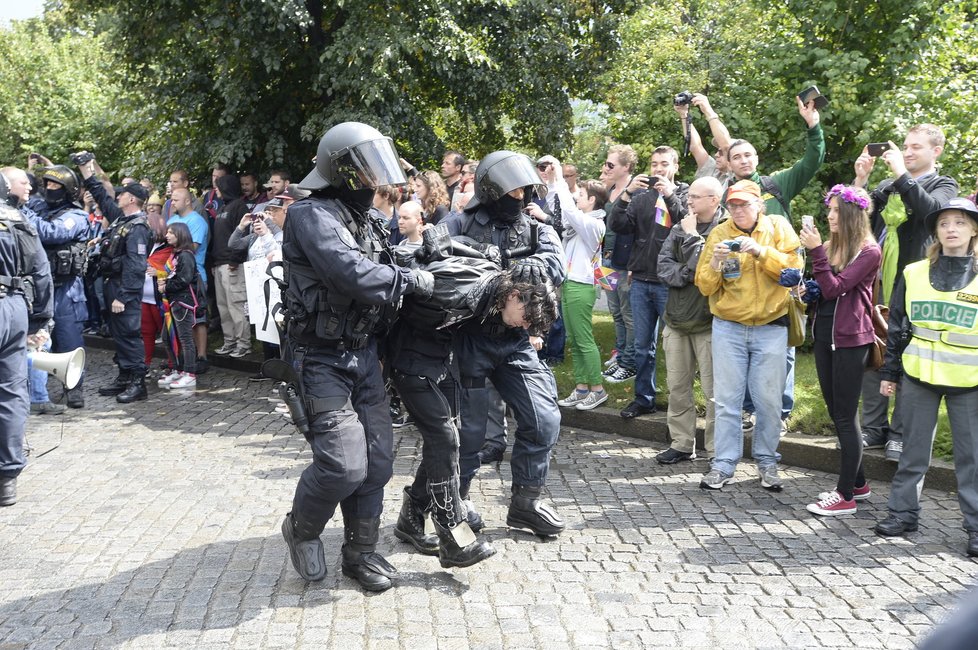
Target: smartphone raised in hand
[876, 149]
[811, 93]
[807, 221]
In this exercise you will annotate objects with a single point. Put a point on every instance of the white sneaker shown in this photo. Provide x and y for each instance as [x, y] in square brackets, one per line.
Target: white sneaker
[225, 349]
[573, 399]
[592, 400]
[167, 379]
[186, 380]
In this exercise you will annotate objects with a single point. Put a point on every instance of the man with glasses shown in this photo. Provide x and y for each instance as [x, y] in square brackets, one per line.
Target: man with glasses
[687, 336]
[647, 209]
[570, 177]
[739, 272]
[616, 174]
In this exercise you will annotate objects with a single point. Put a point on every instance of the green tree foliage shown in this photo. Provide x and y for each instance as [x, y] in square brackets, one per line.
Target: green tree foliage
[256, 83]
[58, 91]
[885, 65]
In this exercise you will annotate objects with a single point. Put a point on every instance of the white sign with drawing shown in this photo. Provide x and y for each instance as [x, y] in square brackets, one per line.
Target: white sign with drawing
[255, 277]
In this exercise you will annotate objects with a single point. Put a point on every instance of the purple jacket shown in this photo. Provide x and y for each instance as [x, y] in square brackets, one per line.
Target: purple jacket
[853, 324]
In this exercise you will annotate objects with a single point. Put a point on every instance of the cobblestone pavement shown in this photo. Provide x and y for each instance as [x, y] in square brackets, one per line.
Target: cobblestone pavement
[157, 525]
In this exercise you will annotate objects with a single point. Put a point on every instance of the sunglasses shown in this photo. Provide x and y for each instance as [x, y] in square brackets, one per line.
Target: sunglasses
[543, 166]
[609, 165]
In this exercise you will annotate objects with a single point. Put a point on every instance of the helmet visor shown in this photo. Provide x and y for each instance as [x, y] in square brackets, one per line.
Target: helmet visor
[370, 164]
[509, 174]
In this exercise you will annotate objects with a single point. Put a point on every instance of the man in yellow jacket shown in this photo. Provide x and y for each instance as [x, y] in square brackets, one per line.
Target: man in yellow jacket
[739, 271]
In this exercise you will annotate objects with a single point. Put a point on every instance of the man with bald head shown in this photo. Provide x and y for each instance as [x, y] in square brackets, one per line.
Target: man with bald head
[687, 336]
[182, 202]
[410, 220]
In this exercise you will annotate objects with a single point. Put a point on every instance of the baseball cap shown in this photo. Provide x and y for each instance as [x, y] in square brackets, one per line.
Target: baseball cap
[135, 189]
[275, 203]
[744, 191]
[959, 203]
[293, 193]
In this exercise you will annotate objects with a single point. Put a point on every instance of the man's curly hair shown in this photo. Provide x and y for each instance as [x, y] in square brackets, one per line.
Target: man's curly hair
[539, 301]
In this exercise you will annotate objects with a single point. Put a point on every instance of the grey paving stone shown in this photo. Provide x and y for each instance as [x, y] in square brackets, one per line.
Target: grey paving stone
[156, 525]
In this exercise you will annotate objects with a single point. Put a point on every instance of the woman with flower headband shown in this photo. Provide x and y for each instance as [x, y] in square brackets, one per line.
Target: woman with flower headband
[845, 268]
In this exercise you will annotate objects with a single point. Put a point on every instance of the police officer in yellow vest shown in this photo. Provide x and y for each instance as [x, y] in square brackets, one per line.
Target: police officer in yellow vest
[933, 340]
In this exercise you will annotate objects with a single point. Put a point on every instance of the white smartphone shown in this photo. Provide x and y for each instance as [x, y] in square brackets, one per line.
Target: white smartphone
[807, 221]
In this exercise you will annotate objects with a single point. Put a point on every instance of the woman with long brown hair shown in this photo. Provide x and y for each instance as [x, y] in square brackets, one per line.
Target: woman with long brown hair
[432, 195]
[845, 268]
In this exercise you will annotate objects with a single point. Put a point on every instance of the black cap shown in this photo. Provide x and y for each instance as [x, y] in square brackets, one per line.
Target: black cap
[136, 190]
[959, 203]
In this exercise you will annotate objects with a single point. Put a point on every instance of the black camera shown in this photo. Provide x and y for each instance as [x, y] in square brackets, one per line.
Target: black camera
[81, 158]
[683, 98]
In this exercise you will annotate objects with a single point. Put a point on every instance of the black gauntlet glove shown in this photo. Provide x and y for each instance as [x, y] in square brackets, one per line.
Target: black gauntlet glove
[436, 244]
[424, 283]
[530, 270]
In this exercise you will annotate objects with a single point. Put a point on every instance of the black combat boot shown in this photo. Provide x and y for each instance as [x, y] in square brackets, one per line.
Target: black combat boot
[457, 544]
[472, 515]
[120, 384]
[76, 398]
[410, 526]
[305, 549]
[526, 510]
[135, 391]
[360, 559]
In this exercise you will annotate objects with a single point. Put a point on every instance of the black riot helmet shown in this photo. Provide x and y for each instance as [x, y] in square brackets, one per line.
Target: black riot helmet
[502, 172]
[354, 156]
[67, 177]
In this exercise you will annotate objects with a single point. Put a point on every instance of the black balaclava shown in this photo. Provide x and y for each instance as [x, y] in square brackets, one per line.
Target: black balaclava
[56, 198]
[359, 201]
[506, 209]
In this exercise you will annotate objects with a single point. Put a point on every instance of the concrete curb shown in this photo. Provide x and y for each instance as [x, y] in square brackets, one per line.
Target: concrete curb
[809, 452]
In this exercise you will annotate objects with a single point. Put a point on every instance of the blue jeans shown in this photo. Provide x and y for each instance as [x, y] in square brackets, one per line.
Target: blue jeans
[788, 397]
[648, 305]
[37, 381]
[747, 356]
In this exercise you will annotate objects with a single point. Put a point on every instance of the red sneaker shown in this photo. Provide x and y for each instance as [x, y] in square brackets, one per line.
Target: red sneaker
[833, 504]
[858, 494]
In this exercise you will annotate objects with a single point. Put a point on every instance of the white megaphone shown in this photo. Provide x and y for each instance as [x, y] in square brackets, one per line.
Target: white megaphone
[66, 367]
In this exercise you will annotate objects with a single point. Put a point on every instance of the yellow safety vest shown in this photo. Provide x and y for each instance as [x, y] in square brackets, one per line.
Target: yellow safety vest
[944, 347]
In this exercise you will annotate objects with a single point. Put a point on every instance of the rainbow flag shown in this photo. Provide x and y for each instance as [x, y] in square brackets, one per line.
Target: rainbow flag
[168, 328]
[662, 216]
[606, 278]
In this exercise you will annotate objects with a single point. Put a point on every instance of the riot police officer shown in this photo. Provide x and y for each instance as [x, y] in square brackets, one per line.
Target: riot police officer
[26, 307]
[63, 229]
[123, 263]
[494, 220]
[341, 289]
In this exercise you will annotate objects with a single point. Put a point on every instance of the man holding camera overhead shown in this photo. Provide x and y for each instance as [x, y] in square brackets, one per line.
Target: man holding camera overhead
[899, 227]
[648, 208]
[124, 269]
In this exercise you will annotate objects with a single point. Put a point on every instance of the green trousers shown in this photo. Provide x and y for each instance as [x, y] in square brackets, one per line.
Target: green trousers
[578, 305]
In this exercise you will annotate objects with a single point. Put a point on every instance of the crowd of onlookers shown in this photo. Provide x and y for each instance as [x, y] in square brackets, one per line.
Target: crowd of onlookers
[714, 268]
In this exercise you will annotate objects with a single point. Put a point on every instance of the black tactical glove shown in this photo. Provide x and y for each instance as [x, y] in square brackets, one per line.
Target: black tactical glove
[531, 270]
[424, 283]
[436, 244]
[403, 257]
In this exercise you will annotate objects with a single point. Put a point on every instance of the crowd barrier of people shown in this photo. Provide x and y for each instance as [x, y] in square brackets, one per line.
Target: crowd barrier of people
[471, 282]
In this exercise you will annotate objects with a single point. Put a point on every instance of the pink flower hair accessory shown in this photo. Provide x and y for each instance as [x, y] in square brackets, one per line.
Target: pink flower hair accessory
[847, 194]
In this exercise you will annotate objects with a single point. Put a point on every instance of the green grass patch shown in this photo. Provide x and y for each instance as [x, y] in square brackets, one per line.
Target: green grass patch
[809, 415]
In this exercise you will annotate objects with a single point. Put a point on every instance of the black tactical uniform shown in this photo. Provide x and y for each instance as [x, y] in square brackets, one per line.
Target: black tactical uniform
[420, 359]
[123, 263]
[342, 289]
[487, 350]
[26, 305]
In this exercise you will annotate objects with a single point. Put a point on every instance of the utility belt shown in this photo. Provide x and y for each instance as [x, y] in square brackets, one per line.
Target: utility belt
[68, 261]
[23, 286]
